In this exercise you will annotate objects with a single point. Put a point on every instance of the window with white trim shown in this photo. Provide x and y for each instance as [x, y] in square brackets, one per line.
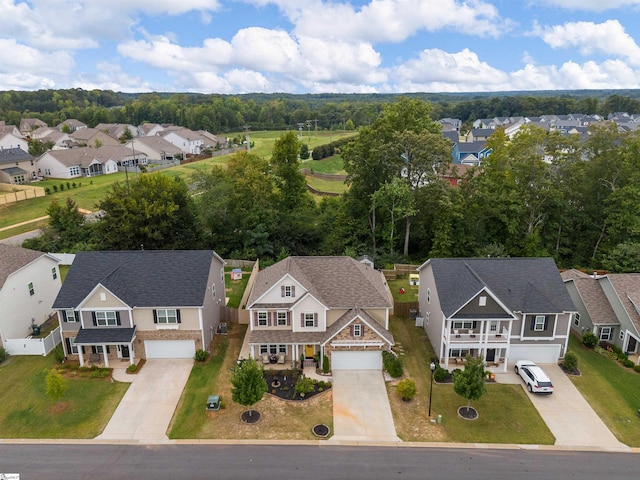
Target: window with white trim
[538, 324]
[493, 326]
[288, 291]
[54, 273]
[428, 295]
[482, 301]
[272, 349]
[74, 171]
[462, 324]
[262, 319]
[459, 352]
[308, 320]
[621, 334]
[606, 333]
[167, 315]
[70, 315]
[106, 319]
[357, 330]
[72, 344]
[576, 320]
[282, 319]
[31, 289]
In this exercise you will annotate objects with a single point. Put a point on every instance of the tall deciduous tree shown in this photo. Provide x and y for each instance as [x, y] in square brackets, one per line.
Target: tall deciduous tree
[153, 211]
[469, 383]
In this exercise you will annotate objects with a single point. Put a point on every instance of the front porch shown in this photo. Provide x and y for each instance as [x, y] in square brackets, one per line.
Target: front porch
[103, 346]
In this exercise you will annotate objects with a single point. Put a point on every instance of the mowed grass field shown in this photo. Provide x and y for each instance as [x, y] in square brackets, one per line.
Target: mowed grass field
[89, 191]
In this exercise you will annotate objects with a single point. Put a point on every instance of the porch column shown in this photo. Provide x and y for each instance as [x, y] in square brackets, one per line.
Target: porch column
[131, 359]
[252, 351]
[80, 356]
[104, 355]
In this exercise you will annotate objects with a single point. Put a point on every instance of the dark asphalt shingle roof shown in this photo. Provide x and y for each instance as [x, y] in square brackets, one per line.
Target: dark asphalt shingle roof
[13, 155]
[14, 171]
[92, 336]
[530, 285]
[139, 278]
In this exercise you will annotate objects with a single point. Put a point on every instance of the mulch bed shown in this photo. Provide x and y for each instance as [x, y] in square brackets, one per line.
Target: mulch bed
[468, 413]
[321, 430]
[575, 372]
[250, 416]
[281, 383]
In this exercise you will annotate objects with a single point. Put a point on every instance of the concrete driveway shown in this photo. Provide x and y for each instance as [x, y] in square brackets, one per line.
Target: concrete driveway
[148, 406]
[361, 410]
[567, 414]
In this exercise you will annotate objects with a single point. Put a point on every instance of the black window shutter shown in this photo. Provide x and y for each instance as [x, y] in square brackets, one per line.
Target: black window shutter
[533, 323]
[546, 322]
[107, 349]
[362, 330]
[351, 330]
[288, 319]
[293, 290]
[64, 316]
[315, 319]
[95, 322]
[282, 291]
[155, 316]
[302, 319]
[118, 318]
[178, 316]
[68, 344]
[255, 319]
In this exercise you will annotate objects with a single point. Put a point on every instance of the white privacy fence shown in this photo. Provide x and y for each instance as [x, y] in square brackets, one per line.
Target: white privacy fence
[33, 346]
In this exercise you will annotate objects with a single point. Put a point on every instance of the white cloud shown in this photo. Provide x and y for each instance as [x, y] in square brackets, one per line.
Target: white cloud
[17, 57]
[589, 5]
[608, 38]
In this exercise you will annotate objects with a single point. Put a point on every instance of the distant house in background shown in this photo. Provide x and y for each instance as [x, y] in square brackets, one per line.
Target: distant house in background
[185, 139]
[78, 162]
[9, 140]
[28, 125]
[157, 149]
[117, 130]
[92, 137]
[608, 305]
[17, 166]
[29, 283]
[73, 125]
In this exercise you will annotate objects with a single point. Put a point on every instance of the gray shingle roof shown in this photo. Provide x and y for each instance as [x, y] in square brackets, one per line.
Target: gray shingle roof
[92, 336]
[14, 258]
[338, 282]
[13, 155]
[530, 285]
[140, 278]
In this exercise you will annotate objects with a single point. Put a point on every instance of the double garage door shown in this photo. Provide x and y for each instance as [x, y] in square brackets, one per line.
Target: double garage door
[170, 348]
[356, 360]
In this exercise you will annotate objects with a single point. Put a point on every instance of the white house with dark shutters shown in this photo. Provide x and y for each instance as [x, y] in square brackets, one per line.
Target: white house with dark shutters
[140, 304]
[301, 307]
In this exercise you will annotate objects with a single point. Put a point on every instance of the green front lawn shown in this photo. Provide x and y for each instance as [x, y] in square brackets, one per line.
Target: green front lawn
[27, 412]
[234, 289]
[506, 415]
[612, 390]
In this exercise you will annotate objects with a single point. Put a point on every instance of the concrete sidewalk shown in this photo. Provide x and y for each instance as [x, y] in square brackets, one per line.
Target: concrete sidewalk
[361, 410]
[146, 409]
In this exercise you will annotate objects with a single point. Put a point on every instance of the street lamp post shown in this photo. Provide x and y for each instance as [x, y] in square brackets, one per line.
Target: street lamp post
[433, 369]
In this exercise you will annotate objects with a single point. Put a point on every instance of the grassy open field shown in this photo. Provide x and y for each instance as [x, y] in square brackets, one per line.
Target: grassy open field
[612, 390]
[27, 412]
[333, 165]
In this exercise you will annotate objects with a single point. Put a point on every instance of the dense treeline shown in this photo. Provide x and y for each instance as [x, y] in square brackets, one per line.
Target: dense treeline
[227, 113]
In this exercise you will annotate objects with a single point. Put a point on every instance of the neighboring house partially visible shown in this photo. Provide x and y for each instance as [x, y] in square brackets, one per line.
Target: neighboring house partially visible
[473, 153]
[185, 139]
[301, 307]
[9, 140]
[92, 137]
[499, 309]
[72, 124]
[479, 134]
[60, 140]
[29, 283]
[75, 163]
[28, 125]
[157, 149]
[455, 174]
[211, 141]
[127, 305]
[16, 166]
[608, 305]
[122, 155]
[12, 129]
[42, 132]
[116, 130]
[149, 129]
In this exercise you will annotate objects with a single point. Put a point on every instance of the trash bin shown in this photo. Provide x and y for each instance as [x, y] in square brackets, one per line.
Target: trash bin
[36, 330]
[413, 313]
[439, 418]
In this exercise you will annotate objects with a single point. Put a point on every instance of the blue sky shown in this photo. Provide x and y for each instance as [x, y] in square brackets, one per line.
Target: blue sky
[318, 46]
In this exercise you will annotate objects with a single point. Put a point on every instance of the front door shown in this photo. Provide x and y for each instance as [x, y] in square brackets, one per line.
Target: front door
[491, 354]
[631, 347]
[309, 351]
[124, 350]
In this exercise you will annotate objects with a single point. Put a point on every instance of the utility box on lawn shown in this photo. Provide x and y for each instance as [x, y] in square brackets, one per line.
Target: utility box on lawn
[213, 403]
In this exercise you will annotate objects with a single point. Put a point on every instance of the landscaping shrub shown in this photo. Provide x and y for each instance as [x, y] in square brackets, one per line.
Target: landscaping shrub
[47, 191]
[392, 364]
[441, 374]
[589, 340]
[55, 188]
[628, 363]
[636, 368]
[604, 344]
[407, 389]
[325, 364]
[100, 373]
[58, 353]
[303, 386]
[201, 355]
[132, 368]
[618, 351]
[570, 362]
[62, 187]
[3, 355]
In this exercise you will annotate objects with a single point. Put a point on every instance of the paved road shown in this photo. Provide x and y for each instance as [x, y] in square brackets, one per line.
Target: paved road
[361, 410]
[146, 409]
[262, 462]
[17, 240]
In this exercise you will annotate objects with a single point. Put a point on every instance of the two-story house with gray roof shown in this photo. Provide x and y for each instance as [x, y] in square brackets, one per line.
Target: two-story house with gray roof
[333, 306]
[123, 305]
[17, 166]
[499, 309]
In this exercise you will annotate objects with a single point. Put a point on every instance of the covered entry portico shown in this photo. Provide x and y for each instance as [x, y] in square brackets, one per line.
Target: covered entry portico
[107, 343]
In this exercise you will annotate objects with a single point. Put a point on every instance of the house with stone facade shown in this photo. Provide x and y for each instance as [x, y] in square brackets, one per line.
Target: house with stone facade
[303, 307]
[125, 305]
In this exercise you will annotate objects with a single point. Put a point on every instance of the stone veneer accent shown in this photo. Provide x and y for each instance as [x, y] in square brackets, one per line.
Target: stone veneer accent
[345, 334]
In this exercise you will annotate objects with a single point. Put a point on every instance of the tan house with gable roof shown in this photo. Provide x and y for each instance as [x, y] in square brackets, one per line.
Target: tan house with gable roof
[309, 306]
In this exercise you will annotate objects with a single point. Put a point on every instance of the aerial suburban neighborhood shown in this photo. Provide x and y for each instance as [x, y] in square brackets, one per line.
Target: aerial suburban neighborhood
[291, 286]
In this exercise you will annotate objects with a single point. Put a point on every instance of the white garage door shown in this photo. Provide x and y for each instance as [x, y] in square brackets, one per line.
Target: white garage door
[371, 360]
[535, 353]
[170, 348]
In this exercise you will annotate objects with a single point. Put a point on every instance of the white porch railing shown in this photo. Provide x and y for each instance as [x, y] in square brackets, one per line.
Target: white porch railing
[33, 346]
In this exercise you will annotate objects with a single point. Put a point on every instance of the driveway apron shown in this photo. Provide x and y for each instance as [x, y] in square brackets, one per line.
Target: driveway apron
[361, 410]
[147, 408]
[567, 414]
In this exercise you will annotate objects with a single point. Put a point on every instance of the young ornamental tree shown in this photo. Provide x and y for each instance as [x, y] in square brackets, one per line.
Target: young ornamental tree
[469, 383]
[248, 383]
[56, 385]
